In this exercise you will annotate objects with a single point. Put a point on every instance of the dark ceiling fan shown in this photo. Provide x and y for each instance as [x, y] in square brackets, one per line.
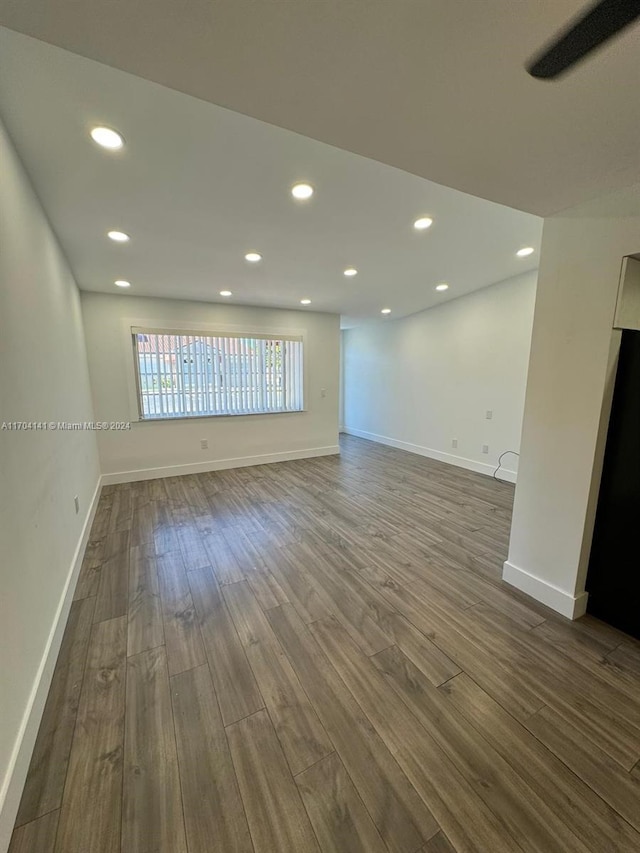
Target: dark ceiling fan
[596, 26]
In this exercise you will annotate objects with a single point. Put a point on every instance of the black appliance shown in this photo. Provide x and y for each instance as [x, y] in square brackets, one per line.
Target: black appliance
[613, 579]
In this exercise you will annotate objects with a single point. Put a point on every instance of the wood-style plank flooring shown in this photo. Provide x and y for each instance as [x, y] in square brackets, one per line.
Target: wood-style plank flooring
[321, 656]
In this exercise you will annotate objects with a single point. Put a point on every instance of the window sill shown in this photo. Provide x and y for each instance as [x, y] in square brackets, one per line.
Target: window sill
[182, 418]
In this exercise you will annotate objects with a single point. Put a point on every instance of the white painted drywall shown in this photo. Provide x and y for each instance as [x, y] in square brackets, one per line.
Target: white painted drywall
[422, 381]
[43, 377]
[341, 389]
[573, 354]
[167, 447]
[628, 304]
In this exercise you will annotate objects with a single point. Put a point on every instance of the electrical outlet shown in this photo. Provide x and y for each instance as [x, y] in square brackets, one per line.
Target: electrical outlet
[204, 443]
[323, 392]
[76, 503]
[485, 448]
[454, 442]
[489, 414]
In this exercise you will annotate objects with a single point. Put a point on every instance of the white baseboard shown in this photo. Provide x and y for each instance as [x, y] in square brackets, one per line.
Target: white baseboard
[216, 465]
[571, 606]
[19, 762]
[450, 458]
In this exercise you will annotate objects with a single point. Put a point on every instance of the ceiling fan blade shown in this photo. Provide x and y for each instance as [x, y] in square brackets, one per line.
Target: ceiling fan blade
[598, 25]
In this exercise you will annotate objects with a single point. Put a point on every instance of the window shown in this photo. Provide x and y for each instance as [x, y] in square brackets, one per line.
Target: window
[191, 374]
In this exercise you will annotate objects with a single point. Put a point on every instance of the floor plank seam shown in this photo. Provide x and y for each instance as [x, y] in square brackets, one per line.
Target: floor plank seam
[175, 739]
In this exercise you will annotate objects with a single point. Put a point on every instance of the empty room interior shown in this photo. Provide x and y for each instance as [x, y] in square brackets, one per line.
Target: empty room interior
[320, 426]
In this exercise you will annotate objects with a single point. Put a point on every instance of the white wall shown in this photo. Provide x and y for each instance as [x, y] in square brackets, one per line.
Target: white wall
[341, 380]
[421, 381]
[153, 448]
[573, 357]
[43, 377]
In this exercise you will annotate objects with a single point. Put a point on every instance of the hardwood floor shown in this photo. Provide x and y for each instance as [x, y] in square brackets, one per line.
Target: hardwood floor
[321, 656]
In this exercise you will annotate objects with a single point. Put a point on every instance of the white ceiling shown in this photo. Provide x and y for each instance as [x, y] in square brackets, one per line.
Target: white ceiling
[435, 87]
[197, 186]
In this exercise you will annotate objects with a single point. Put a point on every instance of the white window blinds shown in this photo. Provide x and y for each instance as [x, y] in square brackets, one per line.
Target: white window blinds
[193, 374]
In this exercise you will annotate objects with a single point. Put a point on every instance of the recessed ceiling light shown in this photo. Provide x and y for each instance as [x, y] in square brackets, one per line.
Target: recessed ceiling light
[350, 272]
[423, 223]
[107, 138]
[302, 191]
[443, 286]
[253, 257]
[305, 302]
[118, 236]
[524, 253]
[226, 293]
[386, 311]
[122, 283]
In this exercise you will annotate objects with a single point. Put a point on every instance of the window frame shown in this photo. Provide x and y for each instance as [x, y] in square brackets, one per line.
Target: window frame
[133, 328]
